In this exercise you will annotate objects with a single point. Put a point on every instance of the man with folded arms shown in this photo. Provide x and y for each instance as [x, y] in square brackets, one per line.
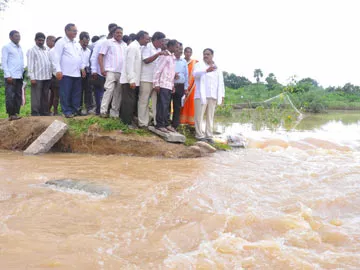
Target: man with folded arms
[111, 60]
[130, 77]
[12, 60]
[39, 71]
[69, 70]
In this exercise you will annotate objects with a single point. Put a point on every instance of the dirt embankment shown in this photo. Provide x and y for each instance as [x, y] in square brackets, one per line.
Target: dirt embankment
[18, 135]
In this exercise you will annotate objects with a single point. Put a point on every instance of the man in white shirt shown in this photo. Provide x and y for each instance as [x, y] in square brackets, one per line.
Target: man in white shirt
[97, 80]
[86, 103]
[130, 77]
[69, 70]
[111, 60]
[39, 71]
[12, 61]
[150, 54]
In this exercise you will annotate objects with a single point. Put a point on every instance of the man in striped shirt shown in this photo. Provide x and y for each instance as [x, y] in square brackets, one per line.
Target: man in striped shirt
[39, 71]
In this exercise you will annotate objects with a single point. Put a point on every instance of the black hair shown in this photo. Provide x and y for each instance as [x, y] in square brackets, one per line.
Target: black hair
[157, 36]
[172, 42]
[94, 39]
[126, 38]
[210, 50]
[111, 26]
[180, 44]
[113, 30]
[187, 48]
[56, 40]
[141, 34]
[132, 36]
[68, 26]
[50, 37]
[39, 35]
[13, 32]
[84, 35]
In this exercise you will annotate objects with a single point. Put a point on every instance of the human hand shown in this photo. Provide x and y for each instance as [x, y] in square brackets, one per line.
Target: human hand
[83, 73]
[211, 69]
[59, 76]
[103, 72]
[94, 76]
[9, 80]
[132, 85]
[33, 82]
[157, 89]
[177, 76]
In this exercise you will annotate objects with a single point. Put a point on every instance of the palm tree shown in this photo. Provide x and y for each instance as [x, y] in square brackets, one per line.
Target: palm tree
[258, 74]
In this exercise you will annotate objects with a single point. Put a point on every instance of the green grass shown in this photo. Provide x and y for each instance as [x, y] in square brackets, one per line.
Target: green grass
[80, 126]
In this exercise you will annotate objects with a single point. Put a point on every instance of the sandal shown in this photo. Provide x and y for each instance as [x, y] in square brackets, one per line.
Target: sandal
[171, 129]
[162, 129]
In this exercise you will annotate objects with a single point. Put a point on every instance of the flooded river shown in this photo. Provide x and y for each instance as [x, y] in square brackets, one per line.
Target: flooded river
[291, 200]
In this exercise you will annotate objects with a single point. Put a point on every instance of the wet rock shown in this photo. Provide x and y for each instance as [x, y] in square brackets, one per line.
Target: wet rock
[236, 140]
[80, 185]
[47, 139]
[169, 137]
[203, 148]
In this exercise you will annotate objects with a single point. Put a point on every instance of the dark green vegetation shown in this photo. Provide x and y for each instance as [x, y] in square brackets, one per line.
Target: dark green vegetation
[306, 94]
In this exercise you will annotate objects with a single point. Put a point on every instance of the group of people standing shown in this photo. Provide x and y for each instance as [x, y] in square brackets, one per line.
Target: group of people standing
[115, 76]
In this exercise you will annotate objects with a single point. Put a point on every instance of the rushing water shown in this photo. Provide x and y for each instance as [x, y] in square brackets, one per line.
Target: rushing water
[291, 200]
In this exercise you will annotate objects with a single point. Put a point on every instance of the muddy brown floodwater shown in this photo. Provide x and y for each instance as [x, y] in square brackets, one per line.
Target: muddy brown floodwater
[291, 200]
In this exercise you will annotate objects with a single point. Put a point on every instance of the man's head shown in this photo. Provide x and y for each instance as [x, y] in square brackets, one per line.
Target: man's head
[164, 45]
[71, 31]
[94, 39]
[14, 36]
[132, 37]
[117, 33]
[40, 39]
[50, 41]
[179, 50]
[188, 53]
[143, 38]
[84, 39]
[126, 39]
[111, 26]
[208, 55]
[172, 45]
[158, 39]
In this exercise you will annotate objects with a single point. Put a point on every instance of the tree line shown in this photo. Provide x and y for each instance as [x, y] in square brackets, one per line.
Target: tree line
[295, 86]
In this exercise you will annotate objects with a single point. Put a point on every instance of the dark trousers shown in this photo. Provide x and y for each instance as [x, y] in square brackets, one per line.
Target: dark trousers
[86, 93]
[54, 95]
[128, 103]
[13, 96]
[137, 90]
[176, 97]
[162, 107]
[98, 86]
[70, 94]
[40, 97]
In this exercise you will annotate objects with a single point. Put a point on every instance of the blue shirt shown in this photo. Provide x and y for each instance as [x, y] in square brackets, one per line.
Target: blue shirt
[12, 61]
[182, 69]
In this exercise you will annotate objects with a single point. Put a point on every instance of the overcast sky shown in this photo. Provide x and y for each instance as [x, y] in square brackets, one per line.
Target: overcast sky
[307, 38]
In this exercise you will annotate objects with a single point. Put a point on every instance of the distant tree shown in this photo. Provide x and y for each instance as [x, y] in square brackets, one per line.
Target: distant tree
[235, 82]
[258, 74]
[271, 81]
[306, 83]
[350, 88]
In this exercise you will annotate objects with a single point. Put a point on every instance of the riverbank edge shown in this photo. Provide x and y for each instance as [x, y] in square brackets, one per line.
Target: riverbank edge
[18, 135]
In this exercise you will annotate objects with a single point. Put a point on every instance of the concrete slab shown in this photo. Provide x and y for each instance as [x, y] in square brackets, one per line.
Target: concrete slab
[47, 139]
[169, 137]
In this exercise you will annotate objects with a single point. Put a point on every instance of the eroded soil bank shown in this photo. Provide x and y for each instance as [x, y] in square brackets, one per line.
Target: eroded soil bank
[18, 135]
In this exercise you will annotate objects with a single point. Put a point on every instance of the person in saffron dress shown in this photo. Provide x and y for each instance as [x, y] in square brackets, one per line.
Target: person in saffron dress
[210, 91]
[187, 112]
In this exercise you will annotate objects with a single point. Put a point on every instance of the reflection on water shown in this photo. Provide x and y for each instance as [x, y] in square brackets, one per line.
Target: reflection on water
[290, 201]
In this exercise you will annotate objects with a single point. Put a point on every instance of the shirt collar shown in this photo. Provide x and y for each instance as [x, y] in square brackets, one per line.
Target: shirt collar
[15, 45]
[68, 40]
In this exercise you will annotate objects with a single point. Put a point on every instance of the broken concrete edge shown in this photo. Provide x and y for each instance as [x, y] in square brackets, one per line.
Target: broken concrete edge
[174, 137]
[54, 132]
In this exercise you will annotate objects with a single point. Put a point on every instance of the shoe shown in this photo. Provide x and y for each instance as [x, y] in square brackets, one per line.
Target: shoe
[104, 115]
[201, 139]
[69, 116]
[171, 129]
[131, 127]
[209, 140]
[162, 129]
